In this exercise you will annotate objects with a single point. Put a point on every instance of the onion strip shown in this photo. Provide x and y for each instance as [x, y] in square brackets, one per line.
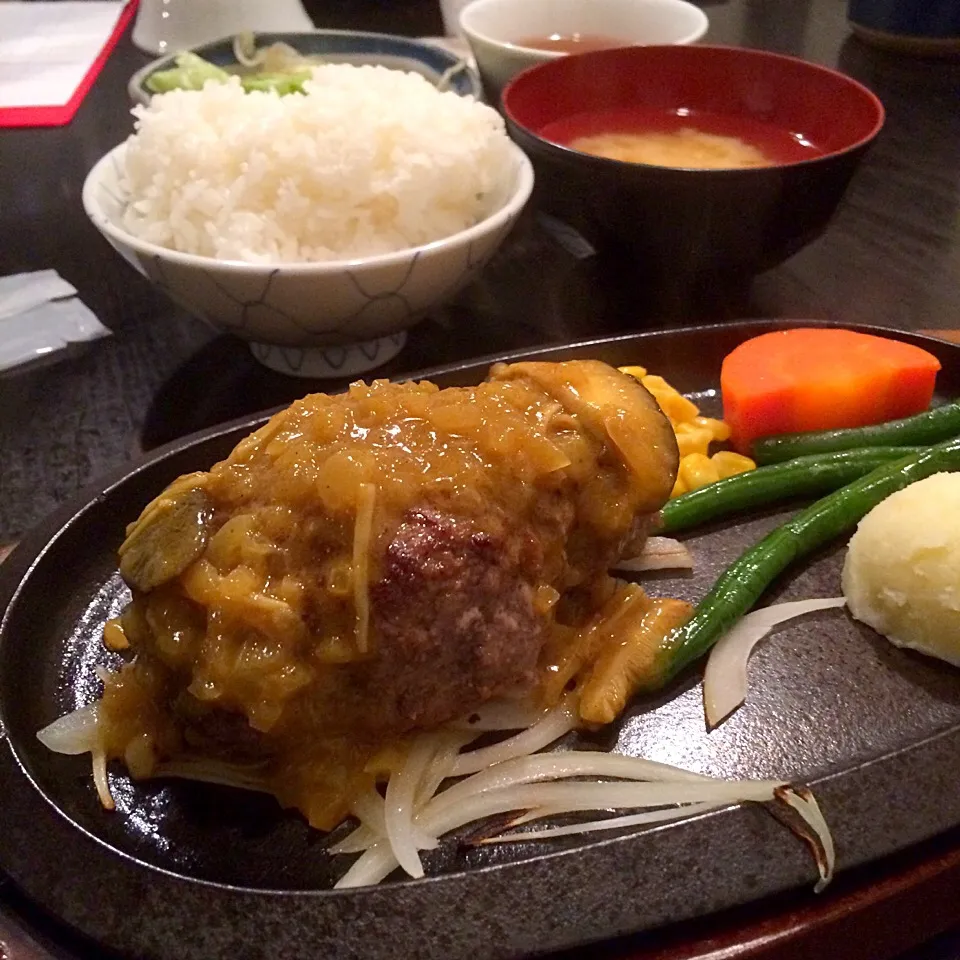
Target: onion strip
[441, 766]
[356, 841]
[725, 676]
[508, 777]
[611, 823]
[601, 795]
[559, 721]
[536, 768]
[399, 810]
[100, 779]
[498, 715]
[368, 807]
[515, 785]
[363, 528]
[376, 863]
[73, 733]
[442, 816]
[821, 842]
[557, 766]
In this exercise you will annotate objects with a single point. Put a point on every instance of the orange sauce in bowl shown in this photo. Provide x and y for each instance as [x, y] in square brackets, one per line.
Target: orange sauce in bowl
[571, 42]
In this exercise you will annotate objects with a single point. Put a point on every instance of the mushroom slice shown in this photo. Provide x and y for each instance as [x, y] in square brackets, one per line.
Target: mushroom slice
[169, 535]
[620, 410]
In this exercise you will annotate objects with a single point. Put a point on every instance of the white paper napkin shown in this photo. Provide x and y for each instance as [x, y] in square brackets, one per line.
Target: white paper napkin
[47, 48]
[42, 320]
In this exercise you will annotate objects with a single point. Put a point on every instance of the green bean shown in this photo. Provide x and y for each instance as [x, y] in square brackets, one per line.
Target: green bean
[931, 426]
[742, 584]
[802, 477]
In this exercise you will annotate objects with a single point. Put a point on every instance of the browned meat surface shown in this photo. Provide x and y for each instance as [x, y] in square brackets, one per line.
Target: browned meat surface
[455, 619]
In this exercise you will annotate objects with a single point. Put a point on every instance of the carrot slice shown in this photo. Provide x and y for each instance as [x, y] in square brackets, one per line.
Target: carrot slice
[805, 379]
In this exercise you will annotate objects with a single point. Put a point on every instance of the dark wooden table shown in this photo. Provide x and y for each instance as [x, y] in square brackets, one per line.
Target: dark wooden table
[891, 257]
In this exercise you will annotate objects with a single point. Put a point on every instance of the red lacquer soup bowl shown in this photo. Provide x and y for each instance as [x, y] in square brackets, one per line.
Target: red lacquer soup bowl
[687, 233]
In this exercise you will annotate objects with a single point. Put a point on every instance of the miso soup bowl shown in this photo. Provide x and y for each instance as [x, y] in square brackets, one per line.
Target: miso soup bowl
[687, 238]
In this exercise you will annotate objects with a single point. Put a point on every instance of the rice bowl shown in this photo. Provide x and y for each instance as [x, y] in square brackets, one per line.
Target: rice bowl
[337, 316]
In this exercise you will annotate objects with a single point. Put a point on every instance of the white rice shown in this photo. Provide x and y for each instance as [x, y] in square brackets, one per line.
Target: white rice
[370, 161]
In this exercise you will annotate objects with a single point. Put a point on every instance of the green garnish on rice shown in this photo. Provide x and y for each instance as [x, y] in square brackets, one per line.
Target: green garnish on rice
[191, 72]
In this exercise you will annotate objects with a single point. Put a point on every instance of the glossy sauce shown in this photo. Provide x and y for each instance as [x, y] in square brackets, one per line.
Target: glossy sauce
[680, 138]
[571, 42]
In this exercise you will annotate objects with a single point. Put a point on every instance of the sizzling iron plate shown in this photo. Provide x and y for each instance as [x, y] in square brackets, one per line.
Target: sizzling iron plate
[199, 873]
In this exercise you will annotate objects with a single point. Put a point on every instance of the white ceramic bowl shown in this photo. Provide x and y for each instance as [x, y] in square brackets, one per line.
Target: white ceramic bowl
[332, 319]
[494, 29]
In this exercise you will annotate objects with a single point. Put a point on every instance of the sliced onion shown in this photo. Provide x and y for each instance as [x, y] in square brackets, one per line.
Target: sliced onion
[570, 797]
[441, 817]
[100, 779]
[74, 733]
[442, 764]
[611, 823]
[399, 810]
[376, 863]
[805, 804]
[367, 807]
[500, 715]
[659, 553]
[562, 719]
[507, 777]
[557, 766]
[534, 769]
[524, 771]
[356, 841]
[725, 676]
[515, 785]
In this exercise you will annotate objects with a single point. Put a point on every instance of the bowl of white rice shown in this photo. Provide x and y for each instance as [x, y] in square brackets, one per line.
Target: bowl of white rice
[320, 226]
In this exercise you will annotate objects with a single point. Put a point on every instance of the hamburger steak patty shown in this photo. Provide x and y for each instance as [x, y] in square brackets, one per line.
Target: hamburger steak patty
[378, 562]
[454, 618]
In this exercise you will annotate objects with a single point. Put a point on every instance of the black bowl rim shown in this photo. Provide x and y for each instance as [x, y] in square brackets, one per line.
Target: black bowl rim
[605, 163]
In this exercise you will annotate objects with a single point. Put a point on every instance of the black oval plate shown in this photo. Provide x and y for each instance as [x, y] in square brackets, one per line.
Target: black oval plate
[198, 873]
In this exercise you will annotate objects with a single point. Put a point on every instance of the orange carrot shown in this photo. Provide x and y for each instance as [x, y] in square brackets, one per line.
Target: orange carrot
[821, 379]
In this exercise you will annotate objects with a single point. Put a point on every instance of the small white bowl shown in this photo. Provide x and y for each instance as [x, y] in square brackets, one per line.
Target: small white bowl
[331, 319]
[494, 29]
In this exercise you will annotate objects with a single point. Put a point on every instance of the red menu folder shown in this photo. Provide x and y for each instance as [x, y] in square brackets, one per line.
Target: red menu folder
[20, 112]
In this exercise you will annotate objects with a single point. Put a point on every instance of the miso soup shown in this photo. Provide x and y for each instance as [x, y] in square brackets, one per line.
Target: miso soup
[681, 138]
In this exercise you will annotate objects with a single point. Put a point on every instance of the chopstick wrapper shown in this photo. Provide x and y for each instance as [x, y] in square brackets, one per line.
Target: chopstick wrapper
[42, 320]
